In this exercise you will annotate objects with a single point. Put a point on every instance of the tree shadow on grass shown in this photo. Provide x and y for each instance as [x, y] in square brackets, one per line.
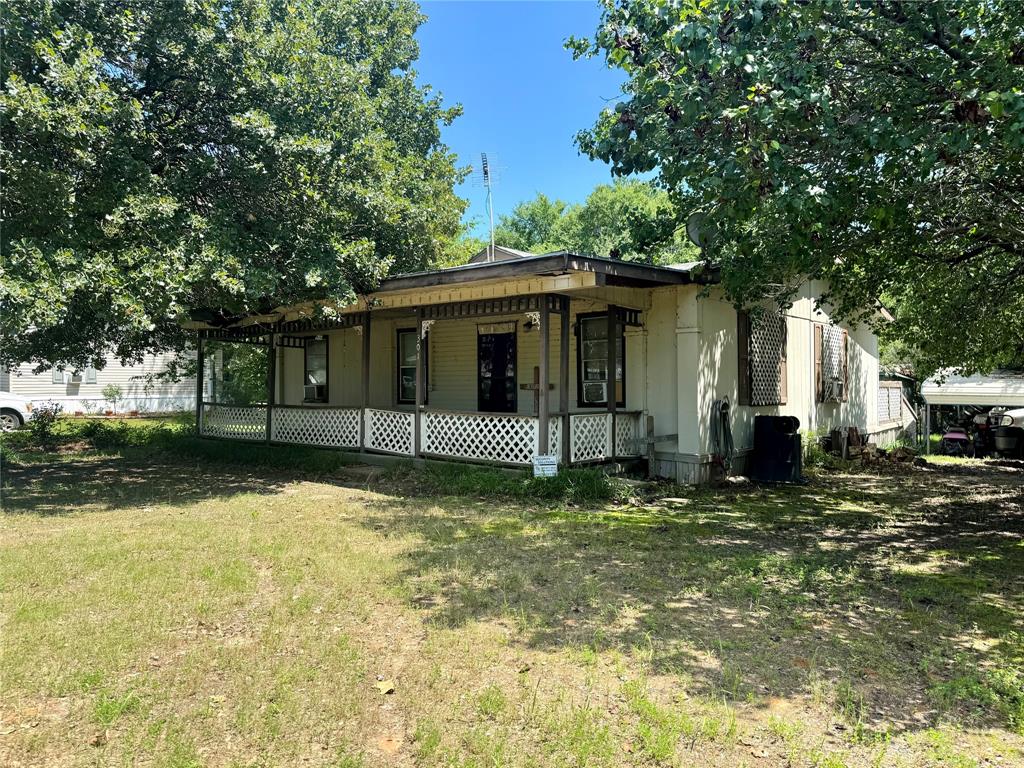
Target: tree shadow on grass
[118, 483]
[867, 582]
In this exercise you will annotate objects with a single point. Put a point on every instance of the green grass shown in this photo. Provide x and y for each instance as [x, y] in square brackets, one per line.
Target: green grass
[177, 602]
[174, 438]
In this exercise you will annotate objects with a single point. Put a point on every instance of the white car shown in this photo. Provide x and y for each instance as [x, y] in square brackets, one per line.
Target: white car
[14, 411]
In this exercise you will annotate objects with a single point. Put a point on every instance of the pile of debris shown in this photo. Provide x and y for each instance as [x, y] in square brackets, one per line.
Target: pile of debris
[849, 444]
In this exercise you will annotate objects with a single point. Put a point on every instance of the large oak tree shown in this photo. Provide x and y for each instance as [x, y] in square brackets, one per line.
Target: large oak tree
[878, 145]
[164, 156]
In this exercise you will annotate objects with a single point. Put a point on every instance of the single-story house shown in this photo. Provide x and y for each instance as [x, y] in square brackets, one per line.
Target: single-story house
[137, 385]
[504, 359]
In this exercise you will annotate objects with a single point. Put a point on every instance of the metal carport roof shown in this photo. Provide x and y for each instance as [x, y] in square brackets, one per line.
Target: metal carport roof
[996, 388]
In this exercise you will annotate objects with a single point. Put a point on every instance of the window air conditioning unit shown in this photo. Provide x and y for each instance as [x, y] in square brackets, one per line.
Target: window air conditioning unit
[595, 392]
[313, 392]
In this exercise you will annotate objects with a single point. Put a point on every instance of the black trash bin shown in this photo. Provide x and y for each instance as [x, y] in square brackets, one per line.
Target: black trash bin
[777, 457]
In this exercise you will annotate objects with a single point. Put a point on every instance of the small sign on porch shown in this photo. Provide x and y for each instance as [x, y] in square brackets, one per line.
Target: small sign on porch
[545, 466]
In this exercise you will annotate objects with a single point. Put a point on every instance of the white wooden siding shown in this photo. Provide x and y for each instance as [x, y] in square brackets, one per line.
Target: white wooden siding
[136, 392]
[717, 367]
[452, 371]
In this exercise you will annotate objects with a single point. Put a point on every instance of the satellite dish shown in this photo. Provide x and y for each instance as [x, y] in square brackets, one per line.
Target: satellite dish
[697, 230]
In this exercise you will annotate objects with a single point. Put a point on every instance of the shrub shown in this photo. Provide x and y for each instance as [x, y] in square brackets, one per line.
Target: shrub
[42, 421]
[112, 394]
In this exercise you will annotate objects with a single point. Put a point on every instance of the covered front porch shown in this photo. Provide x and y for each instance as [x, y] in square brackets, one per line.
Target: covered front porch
[459, 380]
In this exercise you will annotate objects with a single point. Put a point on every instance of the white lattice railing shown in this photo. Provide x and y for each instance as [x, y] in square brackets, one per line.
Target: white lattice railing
[239, 422]
[324, 427]
[589, 437]
[502, 438]
[389, 431]
[555, 437]
[627, 434]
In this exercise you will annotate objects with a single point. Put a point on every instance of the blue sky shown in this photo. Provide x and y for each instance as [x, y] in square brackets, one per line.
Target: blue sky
[523, 96]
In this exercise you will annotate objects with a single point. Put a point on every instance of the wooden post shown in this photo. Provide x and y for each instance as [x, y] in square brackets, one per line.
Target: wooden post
[610, 392]
[199, 387]
[563, 381]
[365, 388]
[271, 384]
[419, 382]
[543, 402]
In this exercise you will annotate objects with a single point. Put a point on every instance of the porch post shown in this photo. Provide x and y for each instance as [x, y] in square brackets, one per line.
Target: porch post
[543, 403]
[271, 385]
[199, 385]
[365, 388]
[419, 382]
[563, 381]
[610, 391]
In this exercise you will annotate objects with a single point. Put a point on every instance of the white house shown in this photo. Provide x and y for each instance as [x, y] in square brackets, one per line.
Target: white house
[83, 391]
[449, 364]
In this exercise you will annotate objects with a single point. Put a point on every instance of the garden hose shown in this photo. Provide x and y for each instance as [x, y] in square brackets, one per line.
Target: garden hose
[721, 434]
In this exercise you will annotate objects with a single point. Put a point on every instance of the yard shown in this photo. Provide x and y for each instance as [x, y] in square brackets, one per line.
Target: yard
[175, 606]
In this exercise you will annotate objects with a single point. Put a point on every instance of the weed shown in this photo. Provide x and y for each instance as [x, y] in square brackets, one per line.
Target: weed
[491, 702]
[427, 738]
[108, 708]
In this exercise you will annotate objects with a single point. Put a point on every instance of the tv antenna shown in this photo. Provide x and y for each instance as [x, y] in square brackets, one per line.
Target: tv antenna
[488, 178]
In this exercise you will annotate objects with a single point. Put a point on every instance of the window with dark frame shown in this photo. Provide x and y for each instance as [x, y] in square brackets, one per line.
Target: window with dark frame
[406, 367]
[592, 362]
[314, 388]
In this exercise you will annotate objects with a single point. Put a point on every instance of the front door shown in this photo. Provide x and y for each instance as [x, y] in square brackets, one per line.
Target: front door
[496, 372]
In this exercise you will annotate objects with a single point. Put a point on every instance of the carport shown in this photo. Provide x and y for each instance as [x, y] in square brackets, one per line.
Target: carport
[1000, 388]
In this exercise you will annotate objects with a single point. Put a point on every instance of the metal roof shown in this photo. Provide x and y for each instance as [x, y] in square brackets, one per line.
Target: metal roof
[997, 388]
[616, 271]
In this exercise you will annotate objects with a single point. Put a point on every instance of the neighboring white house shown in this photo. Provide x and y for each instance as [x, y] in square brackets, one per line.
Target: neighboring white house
[82, 391]
[445, 364]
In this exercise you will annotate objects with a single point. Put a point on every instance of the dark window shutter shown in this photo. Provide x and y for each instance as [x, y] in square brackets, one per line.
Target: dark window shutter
[783, 377]
[743, 357]
[846, 367]
[819, 385]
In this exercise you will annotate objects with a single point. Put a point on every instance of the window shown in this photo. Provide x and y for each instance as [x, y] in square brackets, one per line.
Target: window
[75, 377]
[407, 365]
[831, 364]
[592, 362]
[761, 347]
[315, 385]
